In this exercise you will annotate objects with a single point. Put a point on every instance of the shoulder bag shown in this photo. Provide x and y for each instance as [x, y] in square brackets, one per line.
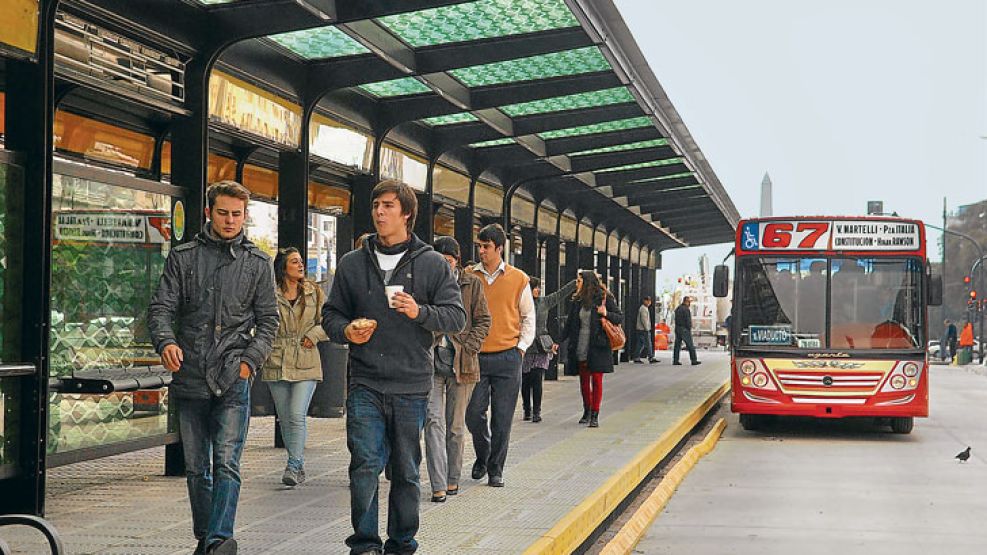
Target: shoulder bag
[614, 332]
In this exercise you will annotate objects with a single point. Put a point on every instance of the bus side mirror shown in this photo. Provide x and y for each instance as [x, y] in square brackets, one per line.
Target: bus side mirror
[721, 281]
[935, 290]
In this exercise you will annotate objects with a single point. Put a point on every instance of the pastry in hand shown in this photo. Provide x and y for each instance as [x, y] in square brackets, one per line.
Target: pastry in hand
[364, 323]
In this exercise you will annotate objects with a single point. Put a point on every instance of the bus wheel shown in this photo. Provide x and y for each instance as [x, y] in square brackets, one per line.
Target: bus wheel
[751, 422]
[902, 425]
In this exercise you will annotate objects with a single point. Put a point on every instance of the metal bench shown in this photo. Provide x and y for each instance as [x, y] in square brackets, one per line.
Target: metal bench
[109, 380]
[38, 523]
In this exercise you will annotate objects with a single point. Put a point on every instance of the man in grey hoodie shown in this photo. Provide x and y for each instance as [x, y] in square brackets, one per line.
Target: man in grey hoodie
[215, 291]
[387, 299]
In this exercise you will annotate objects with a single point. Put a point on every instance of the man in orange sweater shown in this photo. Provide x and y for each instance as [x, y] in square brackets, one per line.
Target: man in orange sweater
[512, 311]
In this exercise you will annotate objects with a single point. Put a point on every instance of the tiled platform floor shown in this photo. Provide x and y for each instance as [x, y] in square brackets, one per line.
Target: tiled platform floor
[123, 505]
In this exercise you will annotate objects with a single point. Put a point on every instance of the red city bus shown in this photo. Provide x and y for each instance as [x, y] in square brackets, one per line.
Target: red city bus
[829, 319]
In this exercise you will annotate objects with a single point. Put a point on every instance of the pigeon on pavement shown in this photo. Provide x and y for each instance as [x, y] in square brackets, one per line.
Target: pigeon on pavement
[963, 455]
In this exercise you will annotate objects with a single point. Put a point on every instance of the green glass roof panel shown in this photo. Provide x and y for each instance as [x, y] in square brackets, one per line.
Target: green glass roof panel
[495, 142]
[604, 127]
[606, 97]
[479, 20]
[544, 66]
[653, 143]
[211, 2]
[396, 87]
[652, 164]
[450, 119]
[320, 43]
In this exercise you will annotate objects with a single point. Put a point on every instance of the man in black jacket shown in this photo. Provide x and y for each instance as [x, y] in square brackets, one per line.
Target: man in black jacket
[386, 300]
[215, 290]
[683, 332]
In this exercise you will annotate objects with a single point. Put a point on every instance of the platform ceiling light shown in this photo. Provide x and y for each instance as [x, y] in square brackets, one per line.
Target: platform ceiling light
[485, 19]
[533, 68]
[320, 43]
[580, 101]
[653, 143]
[319, 8]
[605, 127]
[403, 86]
[644, 165]
[495, 142]
[450, 119]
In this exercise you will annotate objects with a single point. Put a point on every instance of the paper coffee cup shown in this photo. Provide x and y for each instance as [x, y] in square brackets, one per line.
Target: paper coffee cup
[390, 290]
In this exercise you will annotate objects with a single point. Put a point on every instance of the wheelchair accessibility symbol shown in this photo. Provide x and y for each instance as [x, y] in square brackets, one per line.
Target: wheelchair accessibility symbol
[750, 237]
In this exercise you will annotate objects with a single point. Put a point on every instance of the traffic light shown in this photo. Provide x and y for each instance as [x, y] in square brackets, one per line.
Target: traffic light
[973, 294]
[966, 280]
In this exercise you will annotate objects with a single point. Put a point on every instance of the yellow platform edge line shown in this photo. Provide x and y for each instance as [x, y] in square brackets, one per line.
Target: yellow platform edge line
[637, 526]
[573, 529]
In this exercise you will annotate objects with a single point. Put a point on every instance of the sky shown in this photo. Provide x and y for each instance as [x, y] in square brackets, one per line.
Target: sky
[842, 102]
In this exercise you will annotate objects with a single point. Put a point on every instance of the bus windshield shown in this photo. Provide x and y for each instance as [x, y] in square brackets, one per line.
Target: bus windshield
[873, 303]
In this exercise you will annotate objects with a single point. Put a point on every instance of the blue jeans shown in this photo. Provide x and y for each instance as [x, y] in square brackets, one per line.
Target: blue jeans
[683, 335]
[645, 345]
[384, 429]
[498, 389]
[213, 431]
[291, 400]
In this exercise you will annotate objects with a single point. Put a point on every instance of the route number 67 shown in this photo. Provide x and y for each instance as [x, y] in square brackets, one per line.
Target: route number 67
[801, 235]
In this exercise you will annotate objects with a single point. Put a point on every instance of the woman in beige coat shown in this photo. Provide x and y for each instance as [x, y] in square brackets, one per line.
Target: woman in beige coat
[457, 370]
[294, 368]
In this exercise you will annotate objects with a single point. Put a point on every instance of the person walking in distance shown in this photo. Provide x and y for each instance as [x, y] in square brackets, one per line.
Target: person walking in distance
[387, 300]
[645, 333]
[295, 367]
[948, 346]
[589, 346]
[683, 332]
[540, 352]
[512, 330]
[213, 319]
[457, 369]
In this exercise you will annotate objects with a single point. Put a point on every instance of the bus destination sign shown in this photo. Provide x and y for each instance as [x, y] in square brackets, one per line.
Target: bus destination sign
[838, 235]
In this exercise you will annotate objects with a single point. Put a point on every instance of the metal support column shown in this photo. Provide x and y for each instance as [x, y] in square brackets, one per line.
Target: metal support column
[550, 284]
[464, 232]
[529, 250]
[424, 228]
[344, 236]
[361, 206]
[293, 172]
[29, 116]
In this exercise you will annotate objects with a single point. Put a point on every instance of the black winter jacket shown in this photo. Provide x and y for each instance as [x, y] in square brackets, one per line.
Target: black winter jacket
[600, 357]
[683, 317]
[214, 293]
[398, 356]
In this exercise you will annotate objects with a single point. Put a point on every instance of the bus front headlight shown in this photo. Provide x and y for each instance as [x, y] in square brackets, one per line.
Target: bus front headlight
[910, 369]
[760, 379]
[747, 367]
[897, 381]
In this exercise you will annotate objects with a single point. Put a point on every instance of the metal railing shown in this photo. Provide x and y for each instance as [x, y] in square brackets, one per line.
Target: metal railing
[39, 524]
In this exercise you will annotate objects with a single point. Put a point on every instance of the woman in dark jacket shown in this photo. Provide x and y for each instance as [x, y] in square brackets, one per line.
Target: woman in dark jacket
[589, 347]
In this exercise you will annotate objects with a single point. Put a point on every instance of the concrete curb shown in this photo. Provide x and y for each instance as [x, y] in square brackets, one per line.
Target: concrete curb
[570, 532]
[635, 528]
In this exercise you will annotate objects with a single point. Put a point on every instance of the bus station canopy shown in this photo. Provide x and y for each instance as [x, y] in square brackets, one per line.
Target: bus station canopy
[552, 97]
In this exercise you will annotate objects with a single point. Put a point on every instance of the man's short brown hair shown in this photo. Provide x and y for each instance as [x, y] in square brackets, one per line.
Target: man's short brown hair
[227, 188]
[406, 196]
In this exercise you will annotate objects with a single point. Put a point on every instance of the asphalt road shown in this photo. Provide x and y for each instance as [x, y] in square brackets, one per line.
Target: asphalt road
[807, 486]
